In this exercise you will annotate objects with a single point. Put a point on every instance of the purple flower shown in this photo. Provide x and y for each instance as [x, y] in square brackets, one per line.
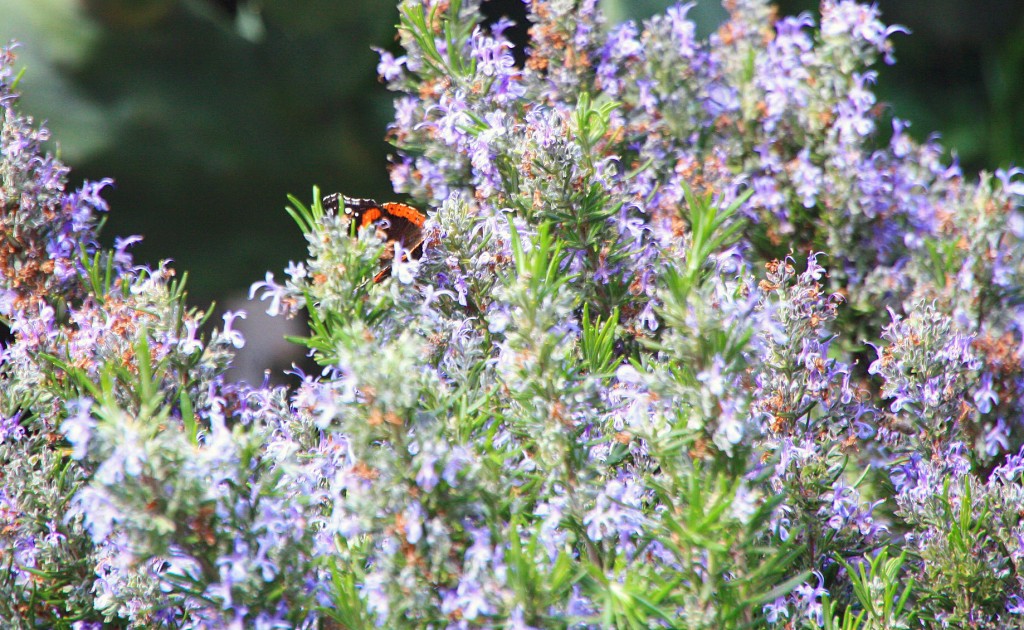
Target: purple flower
[403, 268]
[10, 427]
[997, 438]
[276, 293]
[390, 67]
[229, 335]
[426, 476]
[492, 54]
[647, 318]
[458, 458]
[776, 610]
[713, 378]
[469, 598]
[1012, 186]
[860, 22]
[189, 344]
[121, 245]
[809, 599]
[985, 396]
[414, 516]
[616, 512]
[97, 510]
[295, 271]
[1011, 468]
[807, 178]
[78, 427]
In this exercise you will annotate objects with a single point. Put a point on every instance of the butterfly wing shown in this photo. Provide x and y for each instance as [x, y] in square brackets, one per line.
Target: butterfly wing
[401, 223]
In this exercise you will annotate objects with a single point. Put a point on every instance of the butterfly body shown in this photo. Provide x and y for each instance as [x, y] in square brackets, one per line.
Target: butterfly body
[400, 223]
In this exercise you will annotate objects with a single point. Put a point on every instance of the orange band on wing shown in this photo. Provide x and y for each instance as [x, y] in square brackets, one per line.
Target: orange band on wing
[405, 211]
[369, 217]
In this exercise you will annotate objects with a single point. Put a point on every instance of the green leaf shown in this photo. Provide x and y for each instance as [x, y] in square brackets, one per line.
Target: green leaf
[597, 343]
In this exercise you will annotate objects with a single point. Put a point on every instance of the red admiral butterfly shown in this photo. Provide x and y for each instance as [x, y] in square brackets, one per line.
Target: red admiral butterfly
[401, 223]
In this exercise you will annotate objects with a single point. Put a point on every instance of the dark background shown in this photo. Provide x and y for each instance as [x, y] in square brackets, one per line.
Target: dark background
[207, 113]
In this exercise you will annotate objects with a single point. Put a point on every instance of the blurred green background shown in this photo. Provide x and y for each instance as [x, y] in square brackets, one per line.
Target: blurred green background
[208, 112]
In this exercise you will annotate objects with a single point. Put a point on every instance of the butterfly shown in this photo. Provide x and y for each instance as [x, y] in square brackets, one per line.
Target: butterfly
[401, 223]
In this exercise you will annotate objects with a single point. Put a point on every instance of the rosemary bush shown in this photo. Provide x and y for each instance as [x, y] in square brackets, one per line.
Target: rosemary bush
[700, 338]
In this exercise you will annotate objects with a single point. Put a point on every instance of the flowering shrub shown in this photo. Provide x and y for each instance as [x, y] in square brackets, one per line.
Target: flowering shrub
[698, 339]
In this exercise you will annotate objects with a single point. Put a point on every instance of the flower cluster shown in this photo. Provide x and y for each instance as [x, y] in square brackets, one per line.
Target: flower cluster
[45, 229]
[695, 341]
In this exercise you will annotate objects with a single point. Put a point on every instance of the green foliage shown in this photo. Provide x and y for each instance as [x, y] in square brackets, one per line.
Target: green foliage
[881, 602]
